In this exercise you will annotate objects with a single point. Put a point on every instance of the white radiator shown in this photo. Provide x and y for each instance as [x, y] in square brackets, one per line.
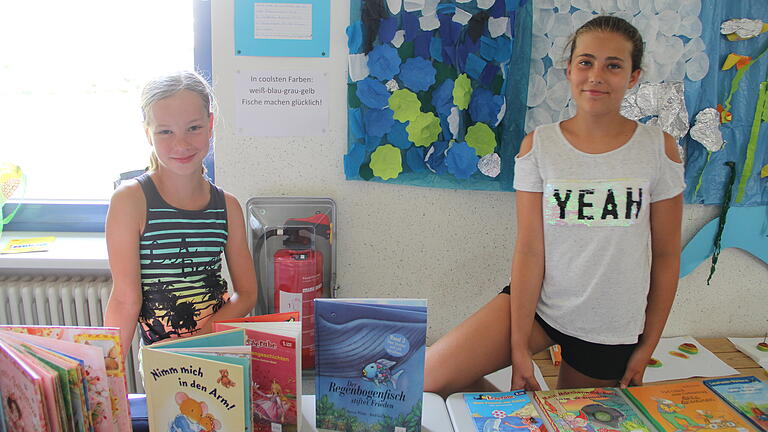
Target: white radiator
[62, 300]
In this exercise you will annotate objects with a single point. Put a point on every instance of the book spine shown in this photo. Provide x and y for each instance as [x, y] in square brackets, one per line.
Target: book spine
[641, 408]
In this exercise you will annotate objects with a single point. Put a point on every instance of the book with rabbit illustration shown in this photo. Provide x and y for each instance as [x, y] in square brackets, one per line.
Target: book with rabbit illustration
[370, 364]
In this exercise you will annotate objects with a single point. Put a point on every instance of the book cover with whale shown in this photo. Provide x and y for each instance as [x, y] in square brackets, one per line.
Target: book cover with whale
[370, 364]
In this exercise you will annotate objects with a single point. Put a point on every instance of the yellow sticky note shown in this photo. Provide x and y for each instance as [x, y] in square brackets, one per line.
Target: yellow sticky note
[35, 244]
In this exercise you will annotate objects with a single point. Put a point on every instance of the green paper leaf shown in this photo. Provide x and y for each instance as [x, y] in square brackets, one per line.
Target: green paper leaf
[462, 91]
[386, 162]
[443, 72]
[352, 99]
[481, 138]
[405, 104]
[424, 129]
[496, 84]
[426, 101]
[406, 50]
[365, 172]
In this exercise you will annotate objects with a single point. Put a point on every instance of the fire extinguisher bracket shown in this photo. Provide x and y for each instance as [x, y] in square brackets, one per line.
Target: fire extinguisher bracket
[292, 242]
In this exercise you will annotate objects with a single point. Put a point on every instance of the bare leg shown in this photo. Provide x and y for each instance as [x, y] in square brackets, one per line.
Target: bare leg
[478, 346]
[570, 378]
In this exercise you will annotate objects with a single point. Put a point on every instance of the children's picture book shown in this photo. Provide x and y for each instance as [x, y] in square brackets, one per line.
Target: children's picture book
[370, 364]
[35, 244]
[504, 412]
[686, 406]
[589, 410]
[755, 348]
[748, 395]
[684, 357]
[94, 393]
[107, 341]
[199, 383]
[24, 403]
[275, 342]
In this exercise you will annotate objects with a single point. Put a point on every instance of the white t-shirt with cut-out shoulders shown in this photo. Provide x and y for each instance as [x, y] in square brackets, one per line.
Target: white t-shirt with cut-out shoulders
[596, 210]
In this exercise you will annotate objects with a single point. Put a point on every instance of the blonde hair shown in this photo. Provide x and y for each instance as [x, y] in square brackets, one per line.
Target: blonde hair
[168, 85]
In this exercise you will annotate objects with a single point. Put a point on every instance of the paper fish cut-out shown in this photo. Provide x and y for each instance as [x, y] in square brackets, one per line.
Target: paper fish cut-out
[736, 60]
[738, 29]
[725, 116]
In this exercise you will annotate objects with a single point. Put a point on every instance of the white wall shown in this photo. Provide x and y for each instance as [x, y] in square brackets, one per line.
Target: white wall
[452, 247]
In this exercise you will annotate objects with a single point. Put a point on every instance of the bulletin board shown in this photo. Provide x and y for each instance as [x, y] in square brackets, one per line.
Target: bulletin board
[436, 91]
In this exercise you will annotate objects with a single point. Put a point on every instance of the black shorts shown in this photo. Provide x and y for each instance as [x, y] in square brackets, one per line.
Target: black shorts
[599, 361]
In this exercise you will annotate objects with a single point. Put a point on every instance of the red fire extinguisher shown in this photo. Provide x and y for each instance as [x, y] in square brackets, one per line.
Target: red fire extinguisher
[298, 274]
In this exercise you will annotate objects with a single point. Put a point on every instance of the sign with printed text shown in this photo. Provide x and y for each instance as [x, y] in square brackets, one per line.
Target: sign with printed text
[281, 103]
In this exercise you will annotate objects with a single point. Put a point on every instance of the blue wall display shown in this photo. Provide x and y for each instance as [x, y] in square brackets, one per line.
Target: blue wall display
[441, 82]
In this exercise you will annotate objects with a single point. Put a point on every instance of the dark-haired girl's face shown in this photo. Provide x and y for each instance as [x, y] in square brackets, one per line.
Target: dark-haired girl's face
[600, 72]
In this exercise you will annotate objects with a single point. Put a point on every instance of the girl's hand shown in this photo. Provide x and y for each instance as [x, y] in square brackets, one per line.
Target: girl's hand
[633, 375]
[522, 374]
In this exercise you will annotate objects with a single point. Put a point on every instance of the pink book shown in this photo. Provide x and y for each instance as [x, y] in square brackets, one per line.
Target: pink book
[108, 340]
[23, 399]
[275, 372]
[96, 375]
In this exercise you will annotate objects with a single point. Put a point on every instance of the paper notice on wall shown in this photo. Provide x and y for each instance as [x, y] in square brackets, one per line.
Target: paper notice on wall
[282, 21]
[281, 103]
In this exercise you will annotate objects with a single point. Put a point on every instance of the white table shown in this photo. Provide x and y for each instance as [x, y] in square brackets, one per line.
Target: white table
[434, 416]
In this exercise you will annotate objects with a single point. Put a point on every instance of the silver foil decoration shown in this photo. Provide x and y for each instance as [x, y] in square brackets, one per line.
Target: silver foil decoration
[743, 27]
[392, 86]
[706, 129]
[662, 101]
[490, 165]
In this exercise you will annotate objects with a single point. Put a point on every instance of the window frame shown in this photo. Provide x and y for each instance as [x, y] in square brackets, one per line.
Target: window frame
[63, 215]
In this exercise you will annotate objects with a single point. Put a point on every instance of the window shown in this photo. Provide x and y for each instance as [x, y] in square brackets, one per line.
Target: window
[72, 73]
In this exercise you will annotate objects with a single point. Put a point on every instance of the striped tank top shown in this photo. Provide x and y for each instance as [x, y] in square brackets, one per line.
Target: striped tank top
[180, 255]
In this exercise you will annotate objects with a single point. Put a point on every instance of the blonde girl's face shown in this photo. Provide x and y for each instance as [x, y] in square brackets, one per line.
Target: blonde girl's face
[600, 72]
[180, 130]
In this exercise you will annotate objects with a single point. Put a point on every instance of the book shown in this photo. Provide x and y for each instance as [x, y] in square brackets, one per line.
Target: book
[90, 370]
[198, 383]
[24, 406]
[370, 364]
[685, 406]
[36, 244]
[98, 351]
[275, 342]
[504, 412]
[589, 410]
[747, 395]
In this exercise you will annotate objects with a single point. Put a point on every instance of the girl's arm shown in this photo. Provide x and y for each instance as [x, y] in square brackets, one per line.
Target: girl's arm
[125, 220]
[525, 283]
[666, 219]
[240, 266]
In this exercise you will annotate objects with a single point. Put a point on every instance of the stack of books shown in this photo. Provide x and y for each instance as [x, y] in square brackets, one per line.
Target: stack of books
[737, 404]
[62, 379]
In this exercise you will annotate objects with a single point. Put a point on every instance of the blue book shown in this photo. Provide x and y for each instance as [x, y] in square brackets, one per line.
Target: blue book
[748, 395]
[370, 364]
[504, 412]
